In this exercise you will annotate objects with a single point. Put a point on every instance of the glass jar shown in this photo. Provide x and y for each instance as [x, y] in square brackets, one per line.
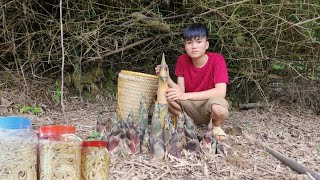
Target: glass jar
[59, 153]
[18, 149]
[95, 160]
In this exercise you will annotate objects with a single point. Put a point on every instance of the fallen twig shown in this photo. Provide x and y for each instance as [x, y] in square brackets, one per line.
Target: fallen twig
[285, 160]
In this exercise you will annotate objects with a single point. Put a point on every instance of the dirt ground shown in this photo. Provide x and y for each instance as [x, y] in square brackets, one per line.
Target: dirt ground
[293, 132]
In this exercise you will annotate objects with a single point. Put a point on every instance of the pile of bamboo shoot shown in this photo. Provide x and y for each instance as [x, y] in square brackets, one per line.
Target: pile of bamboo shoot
[127, 137]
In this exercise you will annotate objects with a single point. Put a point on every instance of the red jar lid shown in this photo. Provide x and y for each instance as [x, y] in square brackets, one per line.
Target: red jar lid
[95, 143]
[57, 129]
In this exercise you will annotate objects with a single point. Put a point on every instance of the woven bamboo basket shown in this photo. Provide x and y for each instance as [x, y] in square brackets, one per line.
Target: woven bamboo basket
[131, 86]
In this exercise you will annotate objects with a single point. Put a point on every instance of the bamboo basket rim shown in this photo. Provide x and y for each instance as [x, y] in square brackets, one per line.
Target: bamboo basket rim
[126, 72]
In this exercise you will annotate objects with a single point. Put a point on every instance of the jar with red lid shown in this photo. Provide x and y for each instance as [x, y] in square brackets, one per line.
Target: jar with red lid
[95, 160]
[59, 153]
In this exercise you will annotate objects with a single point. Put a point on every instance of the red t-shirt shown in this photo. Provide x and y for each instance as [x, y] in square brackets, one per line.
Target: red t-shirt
[204, 78]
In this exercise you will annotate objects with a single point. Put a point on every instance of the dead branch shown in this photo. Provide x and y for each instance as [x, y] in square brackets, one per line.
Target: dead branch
[62, 65]
[285, 160]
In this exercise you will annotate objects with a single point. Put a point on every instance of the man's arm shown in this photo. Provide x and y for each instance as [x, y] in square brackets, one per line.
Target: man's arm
[177, 92]
[219, 90]
[179, 85]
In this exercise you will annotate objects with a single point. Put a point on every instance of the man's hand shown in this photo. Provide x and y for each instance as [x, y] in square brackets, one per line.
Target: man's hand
[174, 94]
[157, 69]
[170, 82]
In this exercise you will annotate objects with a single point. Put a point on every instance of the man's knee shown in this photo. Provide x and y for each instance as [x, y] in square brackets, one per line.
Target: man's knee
[219, 111]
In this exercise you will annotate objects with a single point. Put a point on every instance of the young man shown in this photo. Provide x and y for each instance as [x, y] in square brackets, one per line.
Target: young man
[202, 82]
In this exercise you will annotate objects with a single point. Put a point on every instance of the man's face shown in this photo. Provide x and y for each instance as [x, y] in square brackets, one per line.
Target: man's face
[196, 47]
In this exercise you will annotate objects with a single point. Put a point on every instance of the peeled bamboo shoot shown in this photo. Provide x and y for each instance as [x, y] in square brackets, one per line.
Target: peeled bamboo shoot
[161, 93]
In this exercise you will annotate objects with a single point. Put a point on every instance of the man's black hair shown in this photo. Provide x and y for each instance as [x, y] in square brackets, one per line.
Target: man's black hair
[196, 30]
